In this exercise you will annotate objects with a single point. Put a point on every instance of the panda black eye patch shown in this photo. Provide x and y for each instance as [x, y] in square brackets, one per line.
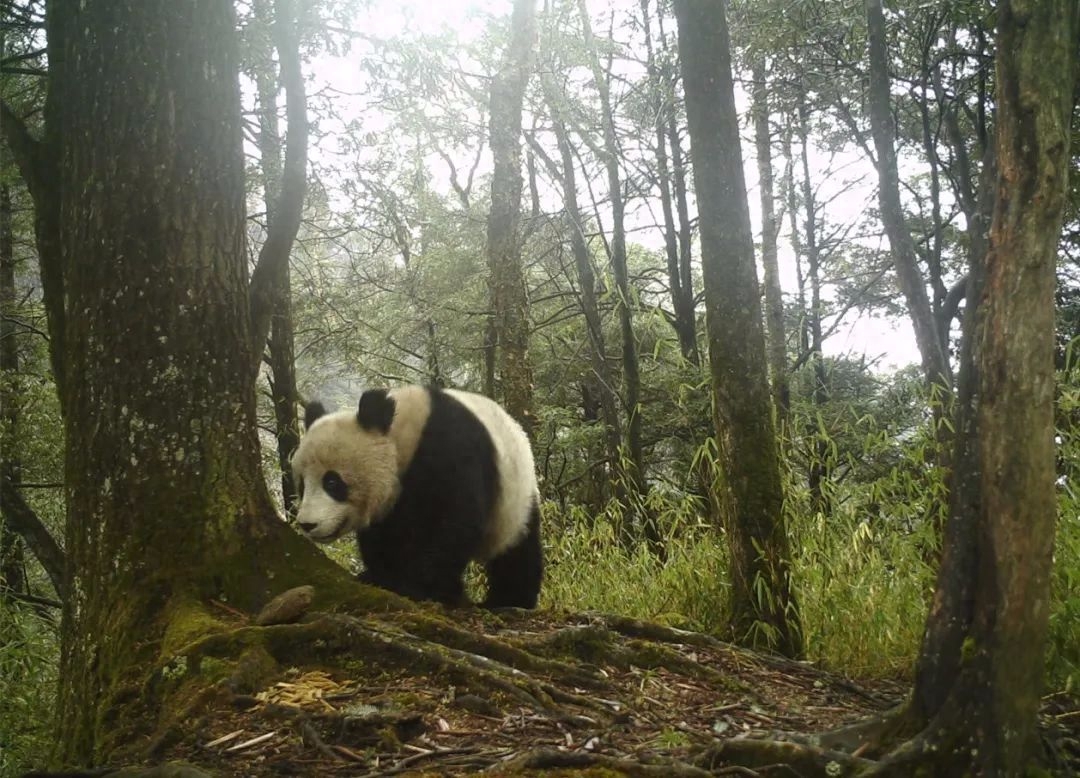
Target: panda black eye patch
[335, 486]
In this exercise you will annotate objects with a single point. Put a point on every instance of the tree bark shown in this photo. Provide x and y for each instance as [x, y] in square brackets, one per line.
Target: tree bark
[509, 296]
[166, 506]
[774, 298]
[750, 488]
[935, 360]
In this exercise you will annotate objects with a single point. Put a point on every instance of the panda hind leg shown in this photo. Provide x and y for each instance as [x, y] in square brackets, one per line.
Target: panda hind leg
[514, 576]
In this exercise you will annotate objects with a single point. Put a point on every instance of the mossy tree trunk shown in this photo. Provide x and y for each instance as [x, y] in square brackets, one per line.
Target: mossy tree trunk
[979, 676]
[509, 297]
[750, 492]
[138, 187]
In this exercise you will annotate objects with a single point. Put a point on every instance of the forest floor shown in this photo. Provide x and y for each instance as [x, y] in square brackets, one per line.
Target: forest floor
[537, 691]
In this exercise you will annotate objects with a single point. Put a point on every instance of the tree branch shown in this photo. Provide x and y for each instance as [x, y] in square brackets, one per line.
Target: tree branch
[26, 150]
[281, 231]
[22, 518]
[951, 303]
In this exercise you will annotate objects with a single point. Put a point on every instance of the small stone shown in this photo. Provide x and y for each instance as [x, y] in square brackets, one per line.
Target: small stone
[287, 607]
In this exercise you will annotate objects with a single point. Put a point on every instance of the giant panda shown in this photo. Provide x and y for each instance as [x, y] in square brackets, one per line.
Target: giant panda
[428, 479]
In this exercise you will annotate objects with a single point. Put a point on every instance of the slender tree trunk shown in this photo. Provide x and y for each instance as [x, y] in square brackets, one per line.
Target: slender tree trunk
[750, 491]
[935, 359]
[590, 307]
[682, 299]
[776, 340]
[37, 163]
[283, 392]
[624, 298]
[979, 676]
[792, 200]
[11, 547]
[166, 503]
[509, 298]
[819, 464]
[509, 327]
[678, 169]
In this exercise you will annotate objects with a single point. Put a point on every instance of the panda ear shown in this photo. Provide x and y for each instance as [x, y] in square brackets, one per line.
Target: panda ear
[312, 412]
[376, 410]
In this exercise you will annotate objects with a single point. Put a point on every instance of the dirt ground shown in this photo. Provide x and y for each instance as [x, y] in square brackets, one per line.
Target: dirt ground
[652, 702]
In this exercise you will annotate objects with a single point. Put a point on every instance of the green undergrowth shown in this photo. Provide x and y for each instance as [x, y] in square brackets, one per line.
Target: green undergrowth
[29, 653]
[863, 564]
[862, 598]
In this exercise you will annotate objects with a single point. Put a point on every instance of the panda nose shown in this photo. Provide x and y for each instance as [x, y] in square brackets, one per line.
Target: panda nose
[307, 526]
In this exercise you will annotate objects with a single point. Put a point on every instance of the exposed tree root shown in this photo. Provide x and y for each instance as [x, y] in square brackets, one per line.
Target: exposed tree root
[800, 759]
[872, 737]
[551, 759]
[513, 693]
[435, 628]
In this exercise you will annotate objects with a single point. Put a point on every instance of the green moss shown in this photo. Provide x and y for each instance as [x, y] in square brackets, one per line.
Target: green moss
[253, 670]
[186, 621]
[590, 644]
[968, 649]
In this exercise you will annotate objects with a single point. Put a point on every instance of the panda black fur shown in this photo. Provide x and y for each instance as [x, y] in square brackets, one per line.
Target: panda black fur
[428, 479]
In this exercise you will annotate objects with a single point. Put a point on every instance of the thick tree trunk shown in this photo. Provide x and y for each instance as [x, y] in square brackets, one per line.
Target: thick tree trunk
[935, 360]
[166, 503]
[980, 670]
[774, 298]
[634, 468]
[751, 492]
[509, 297]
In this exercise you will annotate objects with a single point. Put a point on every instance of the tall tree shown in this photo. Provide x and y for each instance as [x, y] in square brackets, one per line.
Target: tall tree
[634, 469]
[11, 568]
[979, 674]
[166, 505]
[814, 337]
[935, 360]
[605, 392]
[987, 648]
[774, 299]
[509, 297]
[751, 494]
[661, 106]
[278, 31]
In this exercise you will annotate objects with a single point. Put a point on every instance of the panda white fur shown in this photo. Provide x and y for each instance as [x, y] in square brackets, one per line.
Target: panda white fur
[429, 479]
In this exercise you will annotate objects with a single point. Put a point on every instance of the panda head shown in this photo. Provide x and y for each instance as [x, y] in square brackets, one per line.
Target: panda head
[346, 467]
